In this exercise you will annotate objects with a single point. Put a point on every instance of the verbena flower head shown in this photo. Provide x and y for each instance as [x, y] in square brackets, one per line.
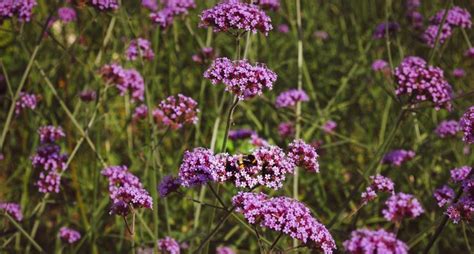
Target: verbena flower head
[25, 101]
[22, 9]
[126, 80]
[378, 184]
[171, 8]
[422, 82]
[469, 53]
[467, 126]
[379, 65]
[290, 97]
[444, 195]
[224, 250]
[125, 190]
[400, 206]
[168, 185]
[283, 28]
[286, 129]
[460, 174]
[235, 15]
[457, 17]
[198, 166]
[240, 77]
[459, 73]
[412, 4]
[447, 128]
[105, 5]
[398, 157]
[431, 33]
[88, 95]
[67, 14]
[151, 5]
[258, 141]
[206, 55]
[329, 126]
[12, 209]
[50, 134]
[168, 245]
[321, 35]
[140, 48]
[49, 182]
[240, 134]
[176, 111]
[269, 4]
[49, 158]
[69, 235]
[415, 19]
[140, 112]
[285, 215]
[463, 210]
[365, 241]
[303, 155]
[381, 29]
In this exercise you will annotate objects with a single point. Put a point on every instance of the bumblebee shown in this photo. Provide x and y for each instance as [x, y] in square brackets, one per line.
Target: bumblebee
[244, 161]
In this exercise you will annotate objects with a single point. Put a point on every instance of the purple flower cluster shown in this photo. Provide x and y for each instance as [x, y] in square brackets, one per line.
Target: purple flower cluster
[235, 15]
[139, 48]
[125, 190]
[460, 174]
[240, 134]
[290, 97]
[269, 4]
[402, 205]
[23, 9]
[378, 183]
[469, 53]
[176, 111]
[456, 17]
[415, 18]
[444, 195]
[49, 158]
[50, 134]
[125, 80]
[397, 157]
[283, 28]
[463, 210]
[206, 55]
[140, 112]
[447, 128]
[423, 82]
[105, 5]
[88, 95]
[329, 126]
[151, 5]
[67, 14]
[382, 28]
[321, 35]
[25, 100]
[168, 185]
[286, 129]
[69, 235]
[12, 209]
[258, 141]
[459, 73]
[430, 34]
[285, 215]
[168, 245]
[467, 126]
[198, 167]
[172, 8]
[379, 65]
[365, 241]
[303, 155]
[240, 77]
[224, 250]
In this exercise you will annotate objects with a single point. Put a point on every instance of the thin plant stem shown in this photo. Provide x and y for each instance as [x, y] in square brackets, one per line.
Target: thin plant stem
[214, 231]
[30, 238]
[275, 242]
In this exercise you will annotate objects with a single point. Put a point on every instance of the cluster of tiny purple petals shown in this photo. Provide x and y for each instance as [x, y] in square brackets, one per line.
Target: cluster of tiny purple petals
[290, 98]
[168, 245]
[105, 5]
[379, 65]
[303, 155]
[329, 126]
[198, 167]
[415, 18]
[365, 241]
[125, 189]
[258, 141]
[25, 100]
[286, 129]
[235, 15]
[176, 111]
[206, 54]
[224, 250]
[151, 5]
[379, 183]
[23, 9]
[467, 125]
[240, 77]
[125, 80]
[285, 215]
[171, 8]
[140, 112]
[49, 158]
[423, 82]
[431, 33]
[459, 73]
[398, 157]
[400, 206]
[469, 53]
[67, 14]
[269, 4]
[444, 195]
[463, 210]
[168, 185]
[240, 134]
[12, 209]
[381, 29]
[69, 235]
[88, 95]
[140, 48]
[456, 17]
[50, 134]
[447, 128]
[283, 28]
[321, 35]
[460, 174]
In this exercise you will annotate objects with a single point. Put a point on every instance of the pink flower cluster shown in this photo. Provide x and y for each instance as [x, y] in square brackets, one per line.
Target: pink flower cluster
[286, 129]
[25, 100]
[398, 157]
[198, 166]
[125, 80]
[224, 250]
[467, 126]
[285, 215]
[378, 183]
[12, 209]
[69, 235]
[447, 128]
[365, 241]
[402, 205]
[125, 190]
[176, 111]
[379, 65]
[172, 8]
[444, 195]
[50, 133]
[303, 155]
[140, 112]
[456, 17]
[139, 48]
[67, 14]
[463, 210]
[104, 5]
[240, 77]
[290, 98]
[423, 82]
[168, 245]
[23, 9]
[235, 15]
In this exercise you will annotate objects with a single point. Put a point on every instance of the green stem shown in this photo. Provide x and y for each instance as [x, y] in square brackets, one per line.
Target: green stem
[30, 239]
